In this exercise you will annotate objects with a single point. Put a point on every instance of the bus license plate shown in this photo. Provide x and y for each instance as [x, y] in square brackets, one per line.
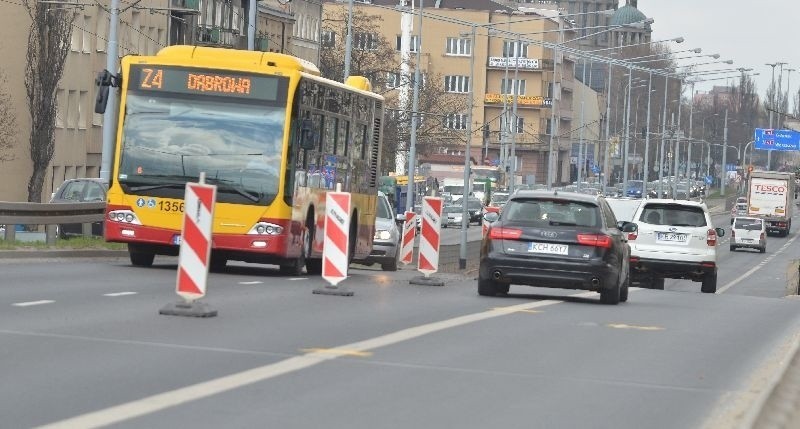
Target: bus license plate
[176, 239]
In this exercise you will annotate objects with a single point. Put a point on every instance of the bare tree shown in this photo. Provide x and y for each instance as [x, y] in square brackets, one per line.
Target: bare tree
[8, 122]
[375, 57]
[48, 46]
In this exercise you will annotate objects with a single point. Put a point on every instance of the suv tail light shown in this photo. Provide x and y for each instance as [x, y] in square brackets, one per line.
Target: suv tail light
[633, 235]
[505, 233]
[733, 233]
[711, 238]
[762, 236]
[596, 240]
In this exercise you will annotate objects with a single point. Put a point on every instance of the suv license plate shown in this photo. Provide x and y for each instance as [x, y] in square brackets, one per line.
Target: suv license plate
[176, 239]
[672, 237]
[548, 248]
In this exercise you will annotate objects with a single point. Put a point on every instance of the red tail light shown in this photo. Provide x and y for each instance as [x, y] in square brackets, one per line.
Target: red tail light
[596, 240]
[634, 260]
[633, 235]
[762, 236]
[505, 234]
[711, 238]
[733, 233]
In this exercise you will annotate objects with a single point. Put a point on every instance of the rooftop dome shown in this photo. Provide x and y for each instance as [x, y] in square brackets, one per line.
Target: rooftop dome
[628, 14]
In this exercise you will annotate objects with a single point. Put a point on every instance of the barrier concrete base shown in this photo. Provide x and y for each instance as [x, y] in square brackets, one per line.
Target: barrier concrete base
[426, 281]
[188, 309]
[333, 290]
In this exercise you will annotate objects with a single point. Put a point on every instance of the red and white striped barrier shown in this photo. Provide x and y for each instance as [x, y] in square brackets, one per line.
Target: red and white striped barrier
[336, 243]
[486, 224]
[195, 250]
[429, 236]
[409, 234]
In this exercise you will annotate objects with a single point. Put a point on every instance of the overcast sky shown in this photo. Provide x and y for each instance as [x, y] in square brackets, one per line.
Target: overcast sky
[751, 33]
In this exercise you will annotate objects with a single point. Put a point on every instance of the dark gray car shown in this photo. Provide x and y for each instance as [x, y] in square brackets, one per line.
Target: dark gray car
[83, 190]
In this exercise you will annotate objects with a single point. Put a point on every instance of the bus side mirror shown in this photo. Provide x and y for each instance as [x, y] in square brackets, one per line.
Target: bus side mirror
[103, 81]
[307, 134]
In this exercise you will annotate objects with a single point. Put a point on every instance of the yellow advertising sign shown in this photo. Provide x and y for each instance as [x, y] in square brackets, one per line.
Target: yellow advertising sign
[522, 100]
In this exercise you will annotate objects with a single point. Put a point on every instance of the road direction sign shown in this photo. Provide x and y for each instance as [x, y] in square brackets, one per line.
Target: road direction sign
[771, 139]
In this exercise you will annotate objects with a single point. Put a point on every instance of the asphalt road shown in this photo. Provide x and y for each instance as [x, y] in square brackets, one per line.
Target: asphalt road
[84, 346]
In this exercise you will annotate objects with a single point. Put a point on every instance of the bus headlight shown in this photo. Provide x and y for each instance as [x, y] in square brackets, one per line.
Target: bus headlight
[265, 228]
[123, 216]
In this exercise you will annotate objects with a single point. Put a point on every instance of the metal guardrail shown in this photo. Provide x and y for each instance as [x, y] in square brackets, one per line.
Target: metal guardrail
[50, 215]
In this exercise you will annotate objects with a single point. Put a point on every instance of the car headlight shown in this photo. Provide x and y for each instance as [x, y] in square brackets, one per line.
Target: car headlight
[382, 234]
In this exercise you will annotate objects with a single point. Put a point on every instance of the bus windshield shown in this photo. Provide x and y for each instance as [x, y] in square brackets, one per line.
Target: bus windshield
[169, 139]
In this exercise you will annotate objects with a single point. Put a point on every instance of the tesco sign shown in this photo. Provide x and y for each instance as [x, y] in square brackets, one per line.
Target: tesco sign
[777, 189]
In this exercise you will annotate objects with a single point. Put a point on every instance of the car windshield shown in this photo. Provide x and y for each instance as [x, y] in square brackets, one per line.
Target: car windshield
[474, 204]
[384, 210]
[453, 209]
[748, 224]
[553, 212]
[673, 215]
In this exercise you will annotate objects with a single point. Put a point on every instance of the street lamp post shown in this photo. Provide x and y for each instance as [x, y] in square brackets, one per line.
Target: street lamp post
[627, 135]
[462, 256]
[647, 135]
[663, 139]
[412, 152]
[724, 155]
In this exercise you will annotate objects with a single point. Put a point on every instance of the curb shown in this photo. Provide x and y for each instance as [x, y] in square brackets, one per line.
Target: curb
[67, 253]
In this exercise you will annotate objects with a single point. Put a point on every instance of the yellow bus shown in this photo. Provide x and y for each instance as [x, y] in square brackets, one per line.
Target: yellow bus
[266, 129]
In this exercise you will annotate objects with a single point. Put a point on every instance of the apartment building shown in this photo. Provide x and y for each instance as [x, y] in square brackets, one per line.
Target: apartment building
[144, 27]
[505, 69]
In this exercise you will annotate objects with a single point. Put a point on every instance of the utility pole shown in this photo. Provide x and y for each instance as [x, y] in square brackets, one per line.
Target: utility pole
[348, 40]
[251, 25]
[661, 163]
[608, 129]
[627, 134]
[771, 108]
[462, 254]
[412, 152]
[515, 121]
[724, 155]
[109, 123]
[646, 176]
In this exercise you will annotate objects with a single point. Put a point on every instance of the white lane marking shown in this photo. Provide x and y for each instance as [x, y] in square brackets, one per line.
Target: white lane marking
[161, 401]
[32, 303]
[298, 278]
[757, 267]
[255, 282]
[119, 294]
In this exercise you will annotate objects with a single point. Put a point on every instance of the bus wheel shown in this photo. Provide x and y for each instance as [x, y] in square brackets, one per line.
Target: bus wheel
[141, 259]
[294, 267]
[313, 266]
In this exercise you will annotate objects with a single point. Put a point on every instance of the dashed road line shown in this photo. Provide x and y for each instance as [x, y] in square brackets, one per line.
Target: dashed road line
[32, 303]
[254, 282]
[115, 294]
[173, 398]
[757, 267]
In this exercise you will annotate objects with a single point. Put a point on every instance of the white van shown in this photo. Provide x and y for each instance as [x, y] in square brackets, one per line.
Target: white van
[749, 232]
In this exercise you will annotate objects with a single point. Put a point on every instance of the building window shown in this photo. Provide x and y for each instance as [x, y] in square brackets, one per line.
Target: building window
[456, 121]
[515, 49]
[511, 86]
[414, 43]
[75, 36]
[458, 84]
[366, 41]
[72, 112]
[457, 46]
[61, 108]
[83, 98]
[87, 34]
[101, 32]
[520, 128]
[328, 39]
[393, 80]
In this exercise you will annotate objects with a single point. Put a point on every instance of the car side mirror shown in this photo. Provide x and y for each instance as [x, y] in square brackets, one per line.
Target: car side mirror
[627, 227]
[307, 134]
[491, 217]
[720, 232]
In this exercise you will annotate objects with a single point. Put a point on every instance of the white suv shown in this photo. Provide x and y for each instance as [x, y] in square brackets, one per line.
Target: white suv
[676, 240]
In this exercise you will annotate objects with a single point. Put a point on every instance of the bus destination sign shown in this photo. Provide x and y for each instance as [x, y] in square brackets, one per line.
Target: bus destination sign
[208, 82]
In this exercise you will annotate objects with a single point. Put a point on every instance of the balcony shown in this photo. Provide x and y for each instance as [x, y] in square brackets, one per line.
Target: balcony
[184, 7]
[216, 36]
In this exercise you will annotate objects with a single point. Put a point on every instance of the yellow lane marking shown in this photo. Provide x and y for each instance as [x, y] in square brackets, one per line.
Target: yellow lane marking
[514, 310]
[638, 328]
[338, 352]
